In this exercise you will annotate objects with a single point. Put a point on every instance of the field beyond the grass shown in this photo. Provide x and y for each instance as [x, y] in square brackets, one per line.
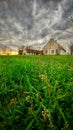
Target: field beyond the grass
[36, 92]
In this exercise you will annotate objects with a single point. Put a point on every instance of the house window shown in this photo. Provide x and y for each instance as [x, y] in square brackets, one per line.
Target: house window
[57, 52]
[46, 51]
[52, 51]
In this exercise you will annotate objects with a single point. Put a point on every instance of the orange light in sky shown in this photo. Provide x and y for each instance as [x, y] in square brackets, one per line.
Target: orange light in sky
[7, 52]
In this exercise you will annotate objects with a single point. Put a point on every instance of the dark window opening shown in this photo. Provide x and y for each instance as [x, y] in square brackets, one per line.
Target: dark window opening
[57, 52]
[46, 51]
[52, 51]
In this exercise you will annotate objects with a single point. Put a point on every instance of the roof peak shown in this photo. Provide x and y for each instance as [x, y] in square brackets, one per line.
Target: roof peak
[52, 39]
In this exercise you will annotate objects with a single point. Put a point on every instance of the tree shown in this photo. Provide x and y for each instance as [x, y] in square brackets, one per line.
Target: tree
[71, 48]
[21, 49]
[20, 52]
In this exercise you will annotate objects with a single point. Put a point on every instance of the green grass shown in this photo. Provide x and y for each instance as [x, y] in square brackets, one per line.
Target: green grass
[36, 93]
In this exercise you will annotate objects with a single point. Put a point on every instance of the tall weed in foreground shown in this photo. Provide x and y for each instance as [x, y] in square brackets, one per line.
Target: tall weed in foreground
[36, 93]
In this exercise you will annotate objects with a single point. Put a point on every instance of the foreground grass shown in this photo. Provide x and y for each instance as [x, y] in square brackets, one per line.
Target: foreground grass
[36, 93]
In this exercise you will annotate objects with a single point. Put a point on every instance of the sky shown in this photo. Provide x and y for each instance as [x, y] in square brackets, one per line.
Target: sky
[28, 22]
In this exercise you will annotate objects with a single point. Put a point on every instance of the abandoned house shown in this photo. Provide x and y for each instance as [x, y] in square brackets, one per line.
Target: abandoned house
[32, 51]
[53, 48]
[26, 50]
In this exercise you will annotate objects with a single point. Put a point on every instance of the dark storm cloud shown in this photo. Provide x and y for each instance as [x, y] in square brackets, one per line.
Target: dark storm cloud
[60, 26]
[67, 8]
[64, 36]
[19, 9]
[53, 1]
[67, 13]
[34, 19]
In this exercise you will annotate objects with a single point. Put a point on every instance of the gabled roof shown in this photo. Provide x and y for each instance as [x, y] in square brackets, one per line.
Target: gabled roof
[53, 43]
[34, 51]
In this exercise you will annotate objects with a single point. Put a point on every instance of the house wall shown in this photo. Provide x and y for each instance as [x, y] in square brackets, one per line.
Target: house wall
[52, 51]
[62, 52]
[53, 48]
[24, 51]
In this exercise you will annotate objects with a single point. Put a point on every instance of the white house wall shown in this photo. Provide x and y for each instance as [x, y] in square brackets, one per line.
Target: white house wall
[49, 51]
[62, 52]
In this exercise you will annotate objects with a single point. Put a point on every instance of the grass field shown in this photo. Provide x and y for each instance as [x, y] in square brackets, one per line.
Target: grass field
[36, 93]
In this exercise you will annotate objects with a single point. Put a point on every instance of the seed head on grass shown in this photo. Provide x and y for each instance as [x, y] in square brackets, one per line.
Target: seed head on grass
[12, 101]
[43, 77]
[66, 126]
[29, 99]
[46, 118]
[46, 114]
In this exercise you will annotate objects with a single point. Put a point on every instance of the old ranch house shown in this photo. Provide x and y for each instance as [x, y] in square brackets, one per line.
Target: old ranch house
[53, 48]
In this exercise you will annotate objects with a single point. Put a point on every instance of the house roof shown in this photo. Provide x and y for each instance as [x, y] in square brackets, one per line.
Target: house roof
[53, 44]
[34, 51]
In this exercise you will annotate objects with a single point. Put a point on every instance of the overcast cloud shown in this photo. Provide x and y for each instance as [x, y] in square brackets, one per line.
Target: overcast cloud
[22, 20]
